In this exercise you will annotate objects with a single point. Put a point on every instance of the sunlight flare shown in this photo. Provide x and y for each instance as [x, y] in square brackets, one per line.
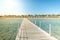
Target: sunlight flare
[9, 7]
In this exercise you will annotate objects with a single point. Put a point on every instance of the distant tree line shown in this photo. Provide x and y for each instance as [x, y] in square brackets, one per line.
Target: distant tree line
[30, 16]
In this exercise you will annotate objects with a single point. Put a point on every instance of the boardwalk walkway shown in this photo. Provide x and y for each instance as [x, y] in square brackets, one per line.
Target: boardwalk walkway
[29, 31]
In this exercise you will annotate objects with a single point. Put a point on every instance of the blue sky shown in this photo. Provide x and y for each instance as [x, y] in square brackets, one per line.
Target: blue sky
[19, 7]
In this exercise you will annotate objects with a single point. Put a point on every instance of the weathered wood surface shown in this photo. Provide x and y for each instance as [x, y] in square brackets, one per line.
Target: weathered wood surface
[29, 31]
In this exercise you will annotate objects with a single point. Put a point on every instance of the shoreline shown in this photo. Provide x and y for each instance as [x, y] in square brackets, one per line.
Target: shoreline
[43, 18]
[30, 18]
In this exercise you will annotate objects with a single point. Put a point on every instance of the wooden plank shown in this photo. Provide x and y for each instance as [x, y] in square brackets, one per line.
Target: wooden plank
[29, 31]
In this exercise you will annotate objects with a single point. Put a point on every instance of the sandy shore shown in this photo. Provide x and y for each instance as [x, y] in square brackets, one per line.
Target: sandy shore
[43, 18]
[30, 18]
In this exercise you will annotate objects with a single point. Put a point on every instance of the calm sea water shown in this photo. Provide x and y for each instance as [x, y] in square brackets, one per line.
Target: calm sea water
[9, 28]
[46, 24]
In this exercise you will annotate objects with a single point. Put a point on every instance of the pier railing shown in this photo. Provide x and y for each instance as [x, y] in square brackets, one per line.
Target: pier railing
[29, 31]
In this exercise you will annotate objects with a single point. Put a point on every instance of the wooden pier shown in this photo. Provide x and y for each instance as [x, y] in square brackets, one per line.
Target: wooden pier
[29, 31]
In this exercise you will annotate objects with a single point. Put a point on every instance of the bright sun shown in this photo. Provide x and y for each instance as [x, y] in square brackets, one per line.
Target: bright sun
[9, 7]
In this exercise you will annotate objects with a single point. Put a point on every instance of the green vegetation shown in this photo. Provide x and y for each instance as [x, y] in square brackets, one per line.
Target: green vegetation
[31, 16]
[9, 28]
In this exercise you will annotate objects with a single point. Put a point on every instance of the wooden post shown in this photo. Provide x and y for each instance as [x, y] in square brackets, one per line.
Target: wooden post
[50, 29]
[40, 24]
[35, 21]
